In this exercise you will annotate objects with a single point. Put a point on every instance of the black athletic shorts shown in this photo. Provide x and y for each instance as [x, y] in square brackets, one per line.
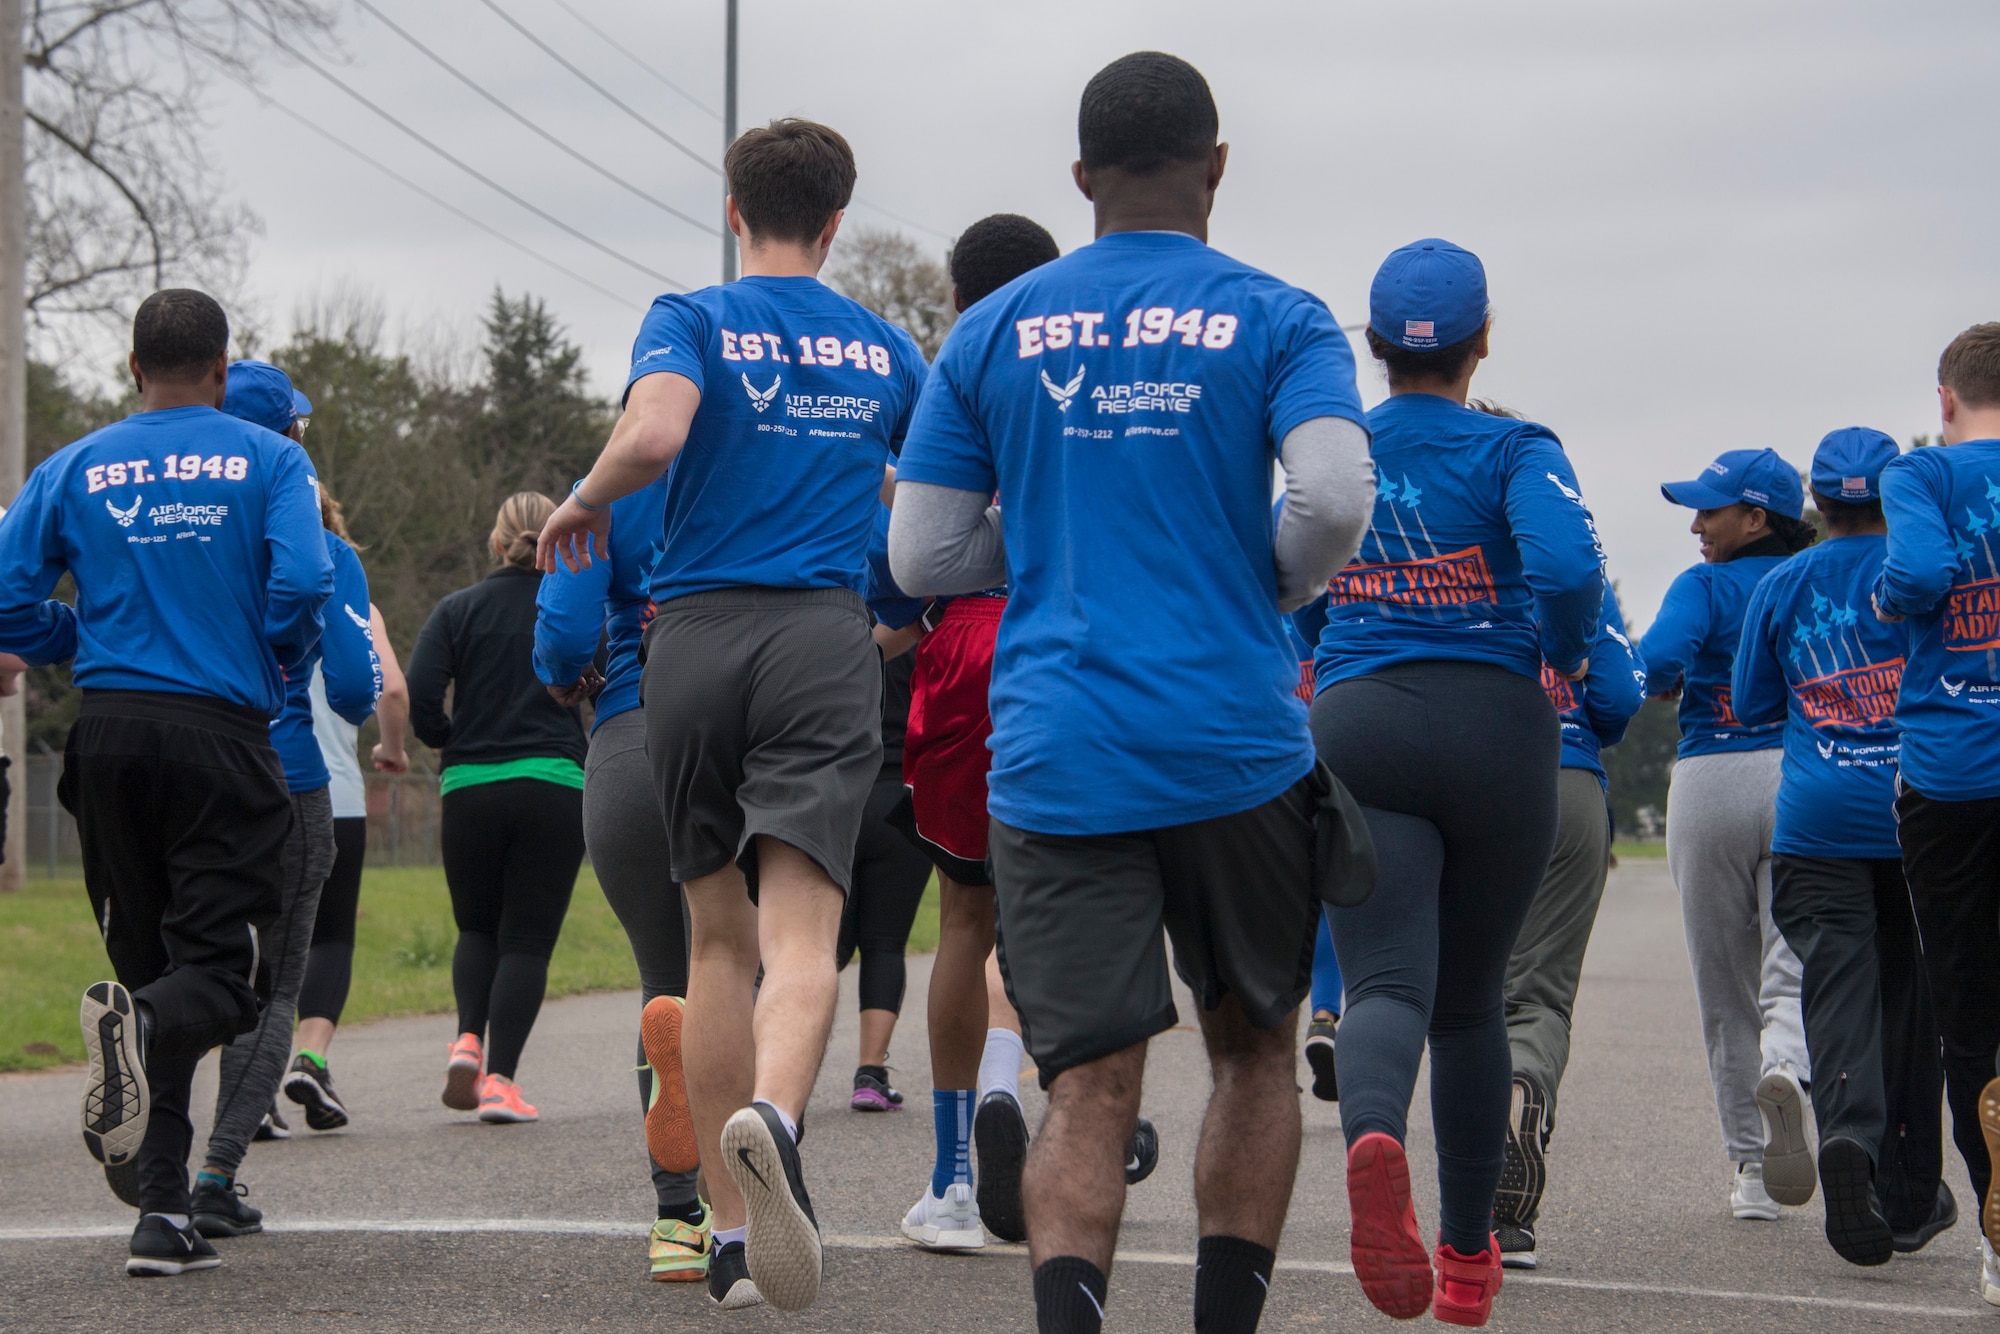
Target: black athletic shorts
[1080, 920]
[763, 716]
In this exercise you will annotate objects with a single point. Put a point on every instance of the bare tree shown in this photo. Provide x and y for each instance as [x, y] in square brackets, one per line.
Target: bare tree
[892, 276]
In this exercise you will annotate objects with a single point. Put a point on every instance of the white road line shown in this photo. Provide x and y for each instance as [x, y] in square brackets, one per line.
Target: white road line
[861, 1242]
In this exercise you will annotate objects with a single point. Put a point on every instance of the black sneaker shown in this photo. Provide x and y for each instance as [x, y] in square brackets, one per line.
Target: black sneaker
[1000, 1138]
[1319, 1055]
[161, 1250]
[1142, 1153]
[783, 1247]
[273, 1126]
[1523, 1170]
[123, 1178]
[729, 1285]
[1517, 1245]
[219, 1211]
[311, 1087]
[1944, 1214]
[1855, 1227]
[872, 1092]
[116, 1101]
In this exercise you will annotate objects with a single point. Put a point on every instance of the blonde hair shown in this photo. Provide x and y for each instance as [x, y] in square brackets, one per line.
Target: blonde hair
[518, 527]
[332, 517]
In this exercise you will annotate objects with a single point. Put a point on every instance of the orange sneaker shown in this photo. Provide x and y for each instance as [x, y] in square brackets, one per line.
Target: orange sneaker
[669, 1124]
[1389, 1255]
[500, 1101]
[1466, 1284]
[461, 1073]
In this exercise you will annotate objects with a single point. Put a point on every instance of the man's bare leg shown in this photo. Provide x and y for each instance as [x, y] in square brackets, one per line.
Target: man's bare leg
[716, 1042]
[798, 929]
[1074, 1185]
[958, 994]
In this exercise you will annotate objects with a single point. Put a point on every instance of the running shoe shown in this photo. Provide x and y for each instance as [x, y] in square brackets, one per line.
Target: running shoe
[124, 1181]
[677, 1251]
[1747, 1197]
[1855, 1227]
[1523, 1170]
[273, 1126]
[872, 1092]
[1944, 1214]
[783, 1246]
[669, 1123]
[461, 1074]
[1389, 1255]
[116, 1101]
[1788, 1160]
[218, 1210]
[501, 1103]
[948, 1224]
[1989, 1273]
[1142, 1152]
[1989, 1126]
[1319, 1055]
[1000, 1138]
[1517, 1245]
[161, 1250]
[1466, 1284]
[729, 1285]
[310, 1085]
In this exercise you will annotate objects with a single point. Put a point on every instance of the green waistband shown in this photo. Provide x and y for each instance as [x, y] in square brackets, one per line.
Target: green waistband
[565, 773]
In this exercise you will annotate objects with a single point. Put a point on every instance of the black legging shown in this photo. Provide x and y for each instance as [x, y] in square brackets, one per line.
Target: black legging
[511, 853]
[889, 879]
[1454, 765]
[330, 964]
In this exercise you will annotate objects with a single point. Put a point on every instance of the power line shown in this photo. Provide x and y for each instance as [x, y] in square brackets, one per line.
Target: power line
[601, 170]
[622, 50]
[597, 87]
[946, 237]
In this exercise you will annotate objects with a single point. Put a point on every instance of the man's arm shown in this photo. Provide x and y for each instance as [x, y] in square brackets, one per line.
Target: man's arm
[943, 540]
[1329, 495]
[647, 439]
[33, 626]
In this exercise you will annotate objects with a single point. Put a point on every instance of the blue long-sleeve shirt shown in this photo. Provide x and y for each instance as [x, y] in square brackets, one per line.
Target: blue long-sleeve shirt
[1480, 549]
[195, 542]
[1814, 659]
[1595, 711]
[607, 600]
[349, 664]
[1941, 572]
[1693, 642]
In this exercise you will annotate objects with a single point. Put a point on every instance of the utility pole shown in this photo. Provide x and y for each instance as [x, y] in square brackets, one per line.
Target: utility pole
[13, 394]
[728, 129]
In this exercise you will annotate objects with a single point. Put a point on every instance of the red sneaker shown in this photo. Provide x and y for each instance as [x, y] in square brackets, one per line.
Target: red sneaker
[669, 1123]
[501, 1103]
[1467, 1284]
[461, 1074]
[1389, 1255]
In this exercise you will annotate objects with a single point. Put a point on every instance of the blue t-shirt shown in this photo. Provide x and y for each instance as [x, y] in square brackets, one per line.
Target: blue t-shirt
[1305, 627]
[1127, 402]
[199, 559]
[1480, 549]
[1943, 574]
[1814, 658]
[608, 601]
[805, 396]
[1594, 711]
[1693, 642]
[347, 660]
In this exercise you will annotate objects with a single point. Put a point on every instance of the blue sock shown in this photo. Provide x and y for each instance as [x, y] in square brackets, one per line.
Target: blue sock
[952, 1111]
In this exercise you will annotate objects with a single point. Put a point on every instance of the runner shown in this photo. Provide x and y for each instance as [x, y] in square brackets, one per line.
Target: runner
[1481, 563]
[1939, 573]
[194, 542]
[778, 403]
[1127, 403]
[628, 847]
[1720, 812]
[511, 819]
[254, 1063]
[1837, 887]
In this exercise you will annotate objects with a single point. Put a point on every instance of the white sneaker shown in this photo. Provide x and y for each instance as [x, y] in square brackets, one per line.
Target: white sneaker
[1789, 1172]
[1989, 1273]
[1748, 1198]
[948, 1224]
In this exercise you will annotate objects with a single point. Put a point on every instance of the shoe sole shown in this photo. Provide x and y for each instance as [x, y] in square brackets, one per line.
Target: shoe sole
[1389, 1259]
[1319, 1055]
[782, 1247]
[947, 1239]
[1000, 1138]
[502, 1116]
[213, 1226]
[1789, 1175]
[323, 1110]
[742, 1295]
[669, 1123]
[1855, 1227]
[138, 1267]
[1524, 1172]
[868, 1100]
[1518, 1260]
[117, 1104]
[461, 1086]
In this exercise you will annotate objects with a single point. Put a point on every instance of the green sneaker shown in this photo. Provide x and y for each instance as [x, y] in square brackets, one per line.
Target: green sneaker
[678, 1252]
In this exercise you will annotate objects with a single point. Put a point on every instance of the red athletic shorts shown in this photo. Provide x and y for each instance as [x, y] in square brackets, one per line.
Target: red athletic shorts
[945, 758]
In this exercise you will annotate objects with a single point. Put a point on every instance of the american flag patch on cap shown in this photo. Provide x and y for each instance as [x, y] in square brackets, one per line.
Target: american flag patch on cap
[1854, 485]
[1419, 329]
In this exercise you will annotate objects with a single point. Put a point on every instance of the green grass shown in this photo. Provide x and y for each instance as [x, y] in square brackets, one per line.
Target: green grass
[1636, 848]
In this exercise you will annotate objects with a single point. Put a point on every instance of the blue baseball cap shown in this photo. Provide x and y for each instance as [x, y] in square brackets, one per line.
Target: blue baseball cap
[301, 405]
[1429, 294]
[1743, 477]
[259, 392]
[1848, 464]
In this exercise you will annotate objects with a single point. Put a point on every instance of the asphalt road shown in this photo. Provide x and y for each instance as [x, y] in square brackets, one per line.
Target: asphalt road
[418, 1218]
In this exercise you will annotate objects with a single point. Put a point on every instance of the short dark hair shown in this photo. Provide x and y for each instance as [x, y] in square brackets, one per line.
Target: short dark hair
[1441, 363]
[1796, 534]
[995, 251]
[178, 334]
[1851, 511]
[788, 178]
[1970, 366]
[1145, 112]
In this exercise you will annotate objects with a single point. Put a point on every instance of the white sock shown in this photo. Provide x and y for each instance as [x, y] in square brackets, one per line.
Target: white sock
[1000, 1064]
[791, 1126]
[180, 1221]
[725, 1235]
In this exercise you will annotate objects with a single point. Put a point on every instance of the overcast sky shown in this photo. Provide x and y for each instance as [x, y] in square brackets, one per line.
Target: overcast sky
[1706, 226]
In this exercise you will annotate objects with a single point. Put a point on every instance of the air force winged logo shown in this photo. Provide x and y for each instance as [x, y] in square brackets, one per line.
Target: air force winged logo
[762, 398]
[125, 517]
[1825, 749]
[1063, 393]
[354, 616]
[1950, 687]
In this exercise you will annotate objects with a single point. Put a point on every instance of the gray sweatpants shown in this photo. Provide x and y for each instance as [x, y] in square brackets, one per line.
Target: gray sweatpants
[254, 1062]
[1720, 809]
[1547, 963]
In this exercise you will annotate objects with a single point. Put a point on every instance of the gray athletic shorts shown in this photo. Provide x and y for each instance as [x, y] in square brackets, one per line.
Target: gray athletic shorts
[763, 716]
[1080, 919]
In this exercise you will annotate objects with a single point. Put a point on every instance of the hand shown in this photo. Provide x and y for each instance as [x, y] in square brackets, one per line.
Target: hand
[584, 687]
[389, 761]
[1886, 617]
[559, 537]
[1582, 670]
[1670, 694]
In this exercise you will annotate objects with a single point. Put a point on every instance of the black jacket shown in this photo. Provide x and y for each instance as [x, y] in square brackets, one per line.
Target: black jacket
[481, 641]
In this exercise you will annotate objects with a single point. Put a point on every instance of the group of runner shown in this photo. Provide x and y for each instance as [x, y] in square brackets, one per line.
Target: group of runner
[1345, 752]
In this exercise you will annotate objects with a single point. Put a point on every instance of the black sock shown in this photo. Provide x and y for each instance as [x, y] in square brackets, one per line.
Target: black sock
[880, 1073]
[1231, 1279]
[1069, 1296]
[689, 1213]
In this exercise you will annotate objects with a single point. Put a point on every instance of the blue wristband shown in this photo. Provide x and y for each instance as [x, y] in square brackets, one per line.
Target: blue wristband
[576, 494]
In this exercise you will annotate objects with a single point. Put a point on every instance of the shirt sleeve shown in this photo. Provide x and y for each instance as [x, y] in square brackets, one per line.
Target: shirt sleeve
[569, 619]
[1560, 556]
[301, 572]
[1758, 691]
[1616, 686]
[33, 626]
[946, 445]
[1312, 371]
[888, 602]
[1921, 562]
[673, 337]
[431, 669]
[912, 371]
[348, 660]
[1676, 634]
